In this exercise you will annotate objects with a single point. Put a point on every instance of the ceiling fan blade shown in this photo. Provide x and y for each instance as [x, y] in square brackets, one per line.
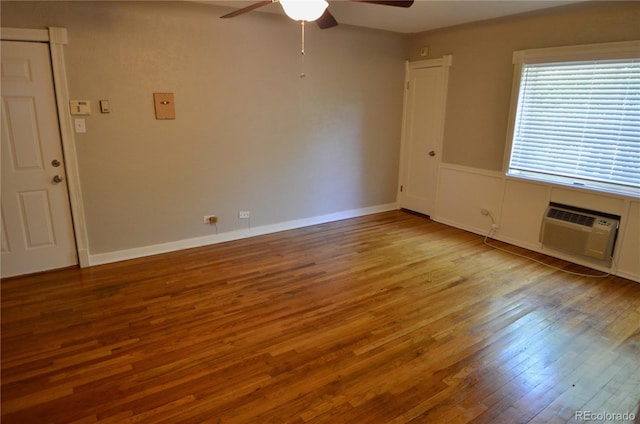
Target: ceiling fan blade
[247, 9]
[397, 3]
[326, 20]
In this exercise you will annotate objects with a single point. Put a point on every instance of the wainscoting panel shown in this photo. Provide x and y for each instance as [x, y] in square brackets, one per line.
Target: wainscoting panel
[523, 205]
[517, 207]
[463, 193]
[629, 244]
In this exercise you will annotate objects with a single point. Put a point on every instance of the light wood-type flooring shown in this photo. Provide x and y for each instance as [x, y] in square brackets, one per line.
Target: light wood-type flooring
[388, 318]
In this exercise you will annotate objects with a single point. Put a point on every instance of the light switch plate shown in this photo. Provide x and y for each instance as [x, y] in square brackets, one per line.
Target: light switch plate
[80, 125]
[104, 106]
[164, 105]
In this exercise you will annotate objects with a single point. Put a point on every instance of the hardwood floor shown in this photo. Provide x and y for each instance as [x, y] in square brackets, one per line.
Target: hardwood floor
[389, 318]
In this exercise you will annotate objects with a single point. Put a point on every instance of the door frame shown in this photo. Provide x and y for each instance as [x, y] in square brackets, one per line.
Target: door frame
[445, 62]
[57, 39]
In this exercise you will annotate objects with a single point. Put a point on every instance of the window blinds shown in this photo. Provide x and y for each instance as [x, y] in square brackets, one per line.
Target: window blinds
[579, 120]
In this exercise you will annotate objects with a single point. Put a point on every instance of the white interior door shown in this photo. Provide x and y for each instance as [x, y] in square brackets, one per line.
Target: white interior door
[423, 122]
[37, 230]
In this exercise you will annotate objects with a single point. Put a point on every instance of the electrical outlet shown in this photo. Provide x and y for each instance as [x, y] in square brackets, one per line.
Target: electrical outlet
[209, 219]
[244, 214]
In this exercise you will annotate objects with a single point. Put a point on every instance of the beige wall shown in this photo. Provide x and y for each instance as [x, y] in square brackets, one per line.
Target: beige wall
[481, 76]
[249, 134]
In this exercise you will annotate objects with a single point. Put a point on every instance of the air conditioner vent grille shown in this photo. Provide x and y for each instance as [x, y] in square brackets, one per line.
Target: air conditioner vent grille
[573, 217]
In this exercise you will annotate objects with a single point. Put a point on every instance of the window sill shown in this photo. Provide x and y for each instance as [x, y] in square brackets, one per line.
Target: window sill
[630, 192]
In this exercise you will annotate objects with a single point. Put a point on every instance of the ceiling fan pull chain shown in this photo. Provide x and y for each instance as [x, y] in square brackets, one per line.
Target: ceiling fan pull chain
[302, 73]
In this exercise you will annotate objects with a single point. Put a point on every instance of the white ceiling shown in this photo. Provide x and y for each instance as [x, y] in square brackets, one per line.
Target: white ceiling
[423, 15]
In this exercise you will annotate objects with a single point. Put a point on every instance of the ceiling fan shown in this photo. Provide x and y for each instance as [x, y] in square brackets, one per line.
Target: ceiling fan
[313, 10]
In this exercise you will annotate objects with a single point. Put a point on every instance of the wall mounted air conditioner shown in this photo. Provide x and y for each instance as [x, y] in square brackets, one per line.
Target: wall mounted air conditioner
[581, 232]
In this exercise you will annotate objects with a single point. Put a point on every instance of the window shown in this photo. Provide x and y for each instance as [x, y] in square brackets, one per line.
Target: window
[577, 117]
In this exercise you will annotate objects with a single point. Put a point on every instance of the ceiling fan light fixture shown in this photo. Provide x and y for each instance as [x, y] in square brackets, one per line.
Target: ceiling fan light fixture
[304, 10]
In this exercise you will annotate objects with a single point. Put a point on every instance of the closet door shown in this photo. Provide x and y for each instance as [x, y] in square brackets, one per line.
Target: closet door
[422, 129]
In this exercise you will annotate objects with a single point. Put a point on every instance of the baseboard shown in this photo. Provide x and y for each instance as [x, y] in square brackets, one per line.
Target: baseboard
[451, 223]
[139, 252]
[629, 276]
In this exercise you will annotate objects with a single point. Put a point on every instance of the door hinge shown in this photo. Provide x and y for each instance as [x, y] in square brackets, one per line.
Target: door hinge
[401, 188]
[408, 84]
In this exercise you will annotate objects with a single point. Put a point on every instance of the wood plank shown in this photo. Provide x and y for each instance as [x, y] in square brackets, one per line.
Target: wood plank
[388, 318]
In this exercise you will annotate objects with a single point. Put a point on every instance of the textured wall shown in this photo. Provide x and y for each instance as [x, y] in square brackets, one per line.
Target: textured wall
[249, 133]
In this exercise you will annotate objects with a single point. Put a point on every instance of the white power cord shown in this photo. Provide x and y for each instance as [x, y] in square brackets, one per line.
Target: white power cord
[494, 228]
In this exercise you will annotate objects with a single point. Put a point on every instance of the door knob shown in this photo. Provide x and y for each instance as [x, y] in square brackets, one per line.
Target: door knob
[432, 153]
[57, 179]
[55, 163]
